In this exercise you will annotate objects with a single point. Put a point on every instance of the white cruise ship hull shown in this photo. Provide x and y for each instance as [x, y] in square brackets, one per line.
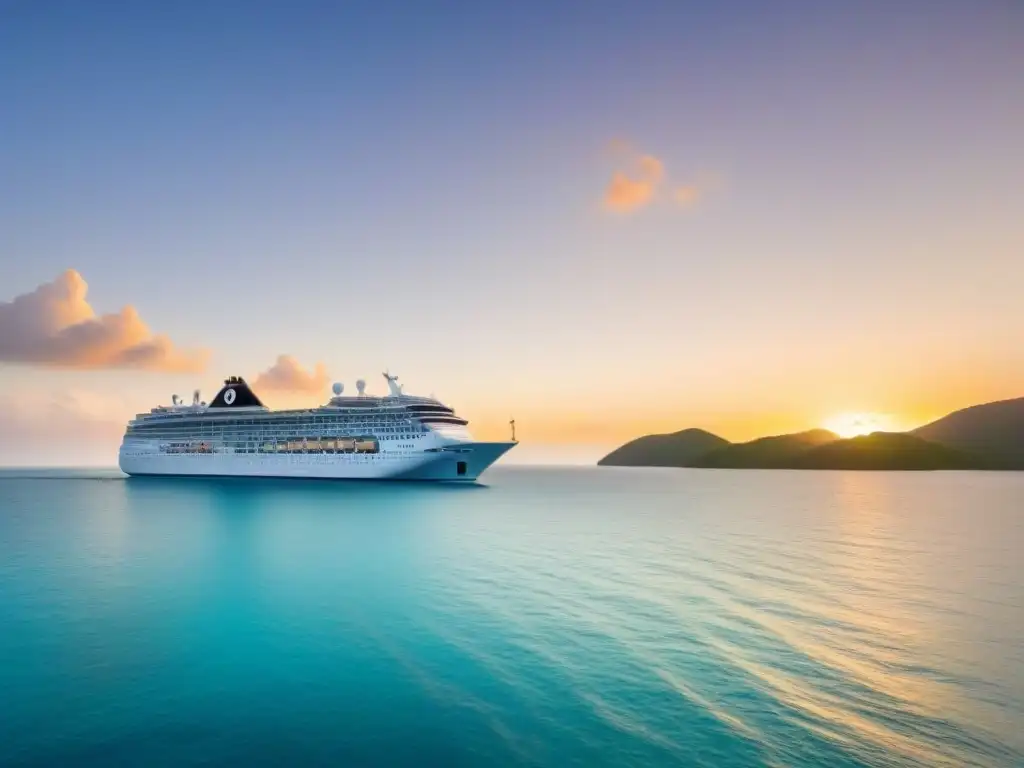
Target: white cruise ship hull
[460, 462]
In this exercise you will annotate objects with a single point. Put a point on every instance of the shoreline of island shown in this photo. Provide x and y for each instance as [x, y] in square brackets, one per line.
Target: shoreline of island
[986, 437]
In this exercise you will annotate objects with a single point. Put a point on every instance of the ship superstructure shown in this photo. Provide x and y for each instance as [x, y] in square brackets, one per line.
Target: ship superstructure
[396, 436]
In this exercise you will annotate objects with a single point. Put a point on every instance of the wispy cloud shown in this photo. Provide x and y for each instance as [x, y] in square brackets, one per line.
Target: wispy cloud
[288, 375]
[55, 325]
[646, 181]
[629, 191]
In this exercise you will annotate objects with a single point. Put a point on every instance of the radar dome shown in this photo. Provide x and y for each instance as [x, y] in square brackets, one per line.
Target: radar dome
[361, 386]
[338, 388]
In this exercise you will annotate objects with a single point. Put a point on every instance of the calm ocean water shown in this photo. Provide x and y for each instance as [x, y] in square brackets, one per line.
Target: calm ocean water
[552, 617]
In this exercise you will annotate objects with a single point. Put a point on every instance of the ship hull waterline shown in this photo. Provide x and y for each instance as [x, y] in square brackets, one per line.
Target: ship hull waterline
[461, 462]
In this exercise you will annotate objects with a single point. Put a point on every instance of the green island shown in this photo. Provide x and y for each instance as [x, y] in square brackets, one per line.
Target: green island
[988, 436]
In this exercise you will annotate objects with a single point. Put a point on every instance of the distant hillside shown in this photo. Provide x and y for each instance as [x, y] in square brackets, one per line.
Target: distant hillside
[673, 450]
[994, 431]
[989, 436]
[765, 452]
[885, 450]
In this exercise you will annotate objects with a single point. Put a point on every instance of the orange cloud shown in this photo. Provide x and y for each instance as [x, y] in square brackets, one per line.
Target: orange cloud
[55, 325]
[631, 190]
[287, 375]
[627, 193]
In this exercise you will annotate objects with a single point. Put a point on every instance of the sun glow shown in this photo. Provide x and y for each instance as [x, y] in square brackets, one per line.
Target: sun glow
[853, 424]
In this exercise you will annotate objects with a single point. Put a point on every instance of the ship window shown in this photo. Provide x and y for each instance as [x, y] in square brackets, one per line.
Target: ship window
[460, 468]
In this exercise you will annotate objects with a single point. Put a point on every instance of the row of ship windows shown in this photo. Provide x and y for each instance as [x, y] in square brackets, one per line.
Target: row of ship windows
[329, 419]
[332, 413]
[386, 433]
[381, 426]
[305, 445]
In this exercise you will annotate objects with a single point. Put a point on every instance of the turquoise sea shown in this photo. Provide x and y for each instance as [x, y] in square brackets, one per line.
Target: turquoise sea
[551, 617]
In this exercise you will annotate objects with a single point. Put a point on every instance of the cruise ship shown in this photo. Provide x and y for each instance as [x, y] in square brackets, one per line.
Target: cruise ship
[394, 437]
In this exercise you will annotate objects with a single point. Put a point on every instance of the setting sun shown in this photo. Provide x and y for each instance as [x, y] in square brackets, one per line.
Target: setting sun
[853, 424]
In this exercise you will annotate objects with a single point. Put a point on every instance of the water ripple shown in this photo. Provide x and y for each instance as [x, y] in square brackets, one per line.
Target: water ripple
[554, 618]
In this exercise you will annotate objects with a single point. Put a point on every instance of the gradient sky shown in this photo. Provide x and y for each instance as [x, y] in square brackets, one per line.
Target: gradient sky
[830, 217]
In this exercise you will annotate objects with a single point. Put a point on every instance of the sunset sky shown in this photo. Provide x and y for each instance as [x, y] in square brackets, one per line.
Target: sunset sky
[601, 218]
